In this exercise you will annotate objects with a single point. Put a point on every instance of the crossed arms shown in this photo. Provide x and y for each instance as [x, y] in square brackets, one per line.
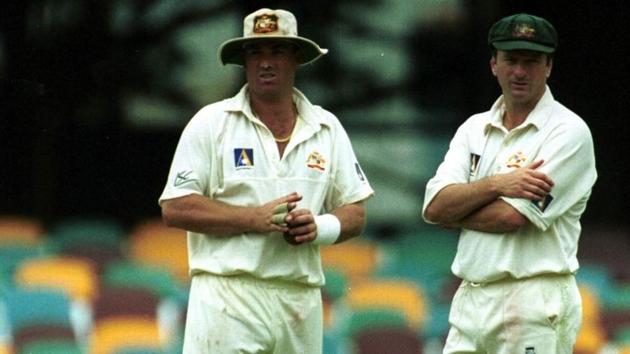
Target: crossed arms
[477, 206]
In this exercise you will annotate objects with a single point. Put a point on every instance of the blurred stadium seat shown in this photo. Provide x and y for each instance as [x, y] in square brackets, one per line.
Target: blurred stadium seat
[151, 242]
[356, 259]
[371, 318]
[116, 333]
[128, 274]
[75, 276]
[53, 346]
[12, 255]
[30, 307]
[125, 302]
[135, 349]
[78, 232]
[388, 340]
[591, 338]
[15, 229]
[607, 245]
[30, 334]
[398, 294]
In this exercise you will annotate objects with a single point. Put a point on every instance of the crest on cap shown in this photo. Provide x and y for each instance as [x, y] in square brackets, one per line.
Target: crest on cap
[265, 23]
[523, 30]
[269, 24]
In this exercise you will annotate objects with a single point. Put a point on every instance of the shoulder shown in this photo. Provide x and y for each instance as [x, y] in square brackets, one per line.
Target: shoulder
[568, 121]
[475, 124]
[210, 116]
[315, 114]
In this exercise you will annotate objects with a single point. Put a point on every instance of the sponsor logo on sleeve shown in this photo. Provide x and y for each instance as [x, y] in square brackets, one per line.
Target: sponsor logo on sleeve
[544, 203]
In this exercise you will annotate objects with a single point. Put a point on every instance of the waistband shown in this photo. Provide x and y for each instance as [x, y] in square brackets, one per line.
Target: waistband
[267, 283]
[509, 279]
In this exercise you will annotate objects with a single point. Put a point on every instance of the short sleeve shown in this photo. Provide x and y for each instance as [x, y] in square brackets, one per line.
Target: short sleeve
[192, 162]
[569, 160]
[349, 182]
[454, 169]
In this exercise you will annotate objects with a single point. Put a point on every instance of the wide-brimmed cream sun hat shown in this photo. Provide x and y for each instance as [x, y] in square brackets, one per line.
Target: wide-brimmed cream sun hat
[269, 24]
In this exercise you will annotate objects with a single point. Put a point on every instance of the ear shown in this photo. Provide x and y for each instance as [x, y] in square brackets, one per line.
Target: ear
[493, 65]
[549, 67]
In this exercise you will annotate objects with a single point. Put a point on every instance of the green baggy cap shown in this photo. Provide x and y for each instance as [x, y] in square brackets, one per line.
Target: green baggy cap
[523, 31]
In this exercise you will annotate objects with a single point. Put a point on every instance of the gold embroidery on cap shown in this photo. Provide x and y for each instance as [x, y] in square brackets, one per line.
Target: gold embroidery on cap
[265, 23]
[523, 30]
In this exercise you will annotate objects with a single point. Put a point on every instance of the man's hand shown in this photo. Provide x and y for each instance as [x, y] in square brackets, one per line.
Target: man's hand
[301, 227]
[525, 182]
[270, 217]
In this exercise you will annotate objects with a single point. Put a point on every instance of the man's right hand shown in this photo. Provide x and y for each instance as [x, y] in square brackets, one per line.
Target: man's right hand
[525, 182]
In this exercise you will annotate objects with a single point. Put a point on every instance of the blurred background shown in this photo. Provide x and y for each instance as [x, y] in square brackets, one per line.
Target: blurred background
[94, 96]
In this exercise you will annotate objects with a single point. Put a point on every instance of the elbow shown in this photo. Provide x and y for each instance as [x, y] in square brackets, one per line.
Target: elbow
[169, 215]
[430, 215]
[359, 225]
[433, 215]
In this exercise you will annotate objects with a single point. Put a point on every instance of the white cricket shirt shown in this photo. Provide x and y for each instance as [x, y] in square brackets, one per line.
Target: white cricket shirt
[229, 155]
[483, 147]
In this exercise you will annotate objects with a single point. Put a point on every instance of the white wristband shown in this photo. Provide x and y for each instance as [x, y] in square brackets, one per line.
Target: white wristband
[328, 229]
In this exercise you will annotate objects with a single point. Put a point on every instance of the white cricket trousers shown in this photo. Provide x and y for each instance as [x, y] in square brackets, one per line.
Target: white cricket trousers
[538, 315]
[242, 314]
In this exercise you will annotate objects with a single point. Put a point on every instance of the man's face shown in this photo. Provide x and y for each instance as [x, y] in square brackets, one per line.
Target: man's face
[522, 75]
[270, 66]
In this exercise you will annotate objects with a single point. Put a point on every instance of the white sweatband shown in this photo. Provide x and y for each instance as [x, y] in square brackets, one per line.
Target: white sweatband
[328, 229]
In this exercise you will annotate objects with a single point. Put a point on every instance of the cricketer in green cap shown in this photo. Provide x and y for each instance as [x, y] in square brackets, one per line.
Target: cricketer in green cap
[525, 32]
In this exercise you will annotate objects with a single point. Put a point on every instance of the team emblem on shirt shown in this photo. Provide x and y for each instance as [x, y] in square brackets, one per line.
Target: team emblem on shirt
[316, 161]
[530, 350]
[516, 160]
[243, 158]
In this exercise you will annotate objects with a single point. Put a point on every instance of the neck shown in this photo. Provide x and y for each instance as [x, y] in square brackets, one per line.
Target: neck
[281, 109]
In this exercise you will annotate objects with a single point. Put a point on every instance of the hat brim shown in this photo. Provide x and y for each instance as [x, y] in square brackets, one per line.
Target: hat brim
[523, 45]
[231, 51]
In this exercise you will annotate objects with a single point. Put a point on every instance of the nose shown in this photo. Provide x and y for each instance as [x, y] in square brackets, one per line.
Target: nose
[519, 70]
[264, 62]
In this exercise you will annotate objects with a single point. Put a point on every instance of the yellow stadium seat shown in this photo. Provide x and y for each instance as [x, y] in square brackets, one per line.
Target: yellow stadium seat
[592, 337]
[153, 243]
[397, 294]
[77, 277]
[112, 334]
[355, 259]
[20, 230]
[5, 348]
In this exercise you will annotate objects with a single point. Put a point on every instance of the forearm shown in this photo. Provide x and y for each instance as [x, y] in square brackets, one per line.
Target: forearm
[456, 201]
[496, 217]
[352, 219]
[200, 214]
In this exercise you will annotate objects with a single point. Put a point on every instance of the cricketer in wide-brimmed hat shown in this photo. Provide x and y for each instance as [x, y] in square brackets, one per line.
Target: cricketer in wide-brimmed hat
[523, 31]
[269, 24]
